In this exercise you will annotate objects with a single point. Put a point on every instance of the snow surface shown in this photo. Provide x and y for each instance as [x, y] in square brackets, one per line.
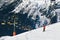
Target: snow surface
[52, 33]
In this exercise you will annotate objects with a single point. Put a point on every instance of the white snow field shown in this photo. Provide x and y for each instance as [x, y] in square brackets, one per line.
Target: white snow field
[52, 33]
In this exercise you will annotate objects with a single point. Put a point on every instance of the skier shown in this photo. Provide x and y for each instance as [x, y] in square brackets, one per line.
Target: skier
[14, 33]
[44, 25]
[44, 28]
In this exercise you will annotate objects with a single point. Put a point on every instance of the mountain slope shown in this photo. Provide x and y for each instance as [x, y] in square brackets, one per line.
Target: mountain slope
[52, 33]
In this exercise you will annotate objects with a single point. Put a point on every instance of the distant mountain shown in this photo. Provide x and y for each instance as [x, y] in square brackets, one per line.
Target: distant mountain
[28, 14]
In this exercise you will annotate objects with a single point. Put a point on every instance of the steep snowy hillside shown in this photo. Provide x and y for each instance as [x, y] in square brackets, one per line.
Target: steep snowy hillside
[31, 3]
[52, 33]
[5, 1]
[57, 0]
[38, 11]
[33, 7]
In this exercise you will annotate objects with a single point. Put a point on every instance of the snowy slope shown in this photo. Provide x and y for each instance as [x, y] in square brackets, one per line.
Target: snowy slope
[33, 7]
[57, 1]
[52, 33]
[34, 2]
[5, 1]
